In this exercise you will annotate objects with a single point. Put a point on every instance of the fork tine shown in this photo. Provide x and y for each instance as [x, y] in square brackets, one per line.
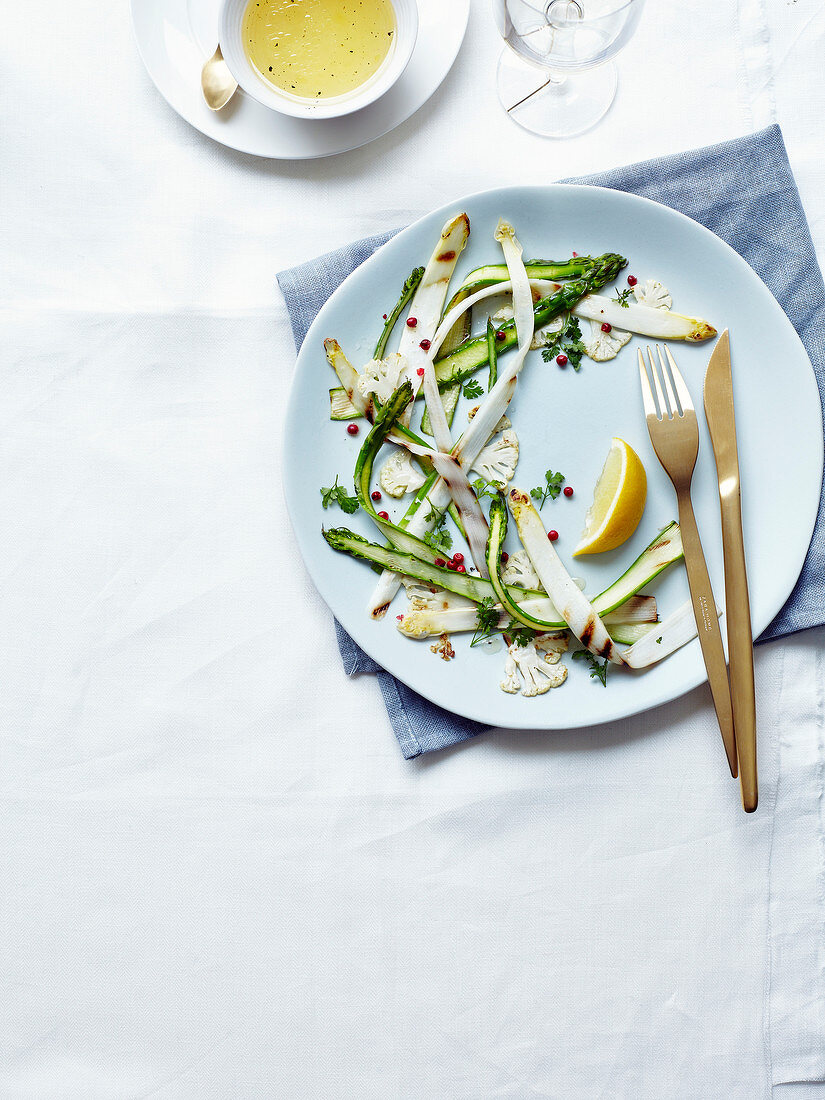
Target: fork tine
[659, 395]
[671, 396]
[679, 383]
[647, 392]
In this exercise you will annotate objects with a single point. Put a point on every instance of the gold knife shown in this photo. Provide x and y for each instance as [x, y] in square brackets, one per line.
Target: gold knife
[722, 426]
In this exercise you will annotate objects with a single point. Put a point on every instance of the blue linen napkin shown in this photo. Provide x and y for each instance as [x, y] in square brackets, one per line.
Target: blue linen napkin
[742, 190]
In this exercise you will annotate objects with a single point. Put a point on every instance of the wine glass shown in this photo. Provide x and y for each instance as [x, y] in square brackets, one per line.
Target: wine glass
[566, 81]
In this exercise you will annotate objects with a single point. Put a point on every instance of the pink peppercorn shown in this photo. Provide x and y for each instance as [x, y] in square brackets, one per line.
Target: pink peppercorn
[425, 344]
[552, 535]
[561, 360]
[505, 557]
[384, 515]
[412, 322]
[375, 494]
[441, 562]
[460, 568]
[458, 558]
[568, 490]
[632, 280]
[352, 429]
[420, 372]
[607, 327]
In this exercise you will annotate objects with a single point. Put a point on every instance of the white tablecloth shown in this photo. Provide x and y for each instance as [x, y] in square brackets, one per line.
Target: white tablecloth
[219, 878]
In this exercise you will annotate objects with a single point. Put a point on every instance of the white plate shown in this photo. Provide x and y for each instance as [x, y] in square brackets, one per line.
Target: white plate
[175, 37]
[565, 422]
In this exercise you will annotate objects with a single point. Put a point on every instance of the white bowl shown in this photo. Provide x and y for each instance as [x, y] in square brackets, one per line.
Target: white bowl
[231, 39]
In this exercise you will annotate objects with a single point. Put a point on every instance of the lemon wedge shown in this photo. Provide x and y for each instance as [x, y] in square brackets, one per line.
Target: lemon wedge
[618, 501]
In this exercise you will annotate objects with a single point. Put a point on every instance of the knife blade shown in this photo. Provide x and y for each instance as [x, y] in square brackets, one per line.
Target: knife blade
[719, 412]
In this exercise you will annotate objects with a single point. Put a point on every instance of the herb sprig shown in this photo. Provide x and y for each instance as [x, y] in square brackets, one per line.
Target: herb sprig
[521, 635]
[487, 624]
[551, 488]
[484, 488]
[337, 494]
[622, 296]
[598, 669]
[567, 340]
[472, 388]
[439, 538]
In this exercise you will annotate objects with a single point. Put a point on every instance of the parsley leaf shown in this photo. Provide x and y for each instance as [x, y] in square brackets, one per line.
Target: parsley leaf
[484, 488]
[487, 620]
[337, 494]
[551, 488]
[567, 340]
[598, 669]
[472, 389]
[521, 635]
[439, 538]
[622, 296]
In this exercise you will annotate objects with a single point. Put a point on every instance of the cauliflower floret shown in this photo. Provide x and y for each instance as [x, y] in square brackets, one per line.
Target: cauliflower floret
[398, 475]
[552, 646]
[425, 614]
[519, 571]
[500, 427]
[602, 346]
[543, 335]
[497, 461]
[511, 682]
[423, 597]
[538, 664]
[653, 293]
[382, 377]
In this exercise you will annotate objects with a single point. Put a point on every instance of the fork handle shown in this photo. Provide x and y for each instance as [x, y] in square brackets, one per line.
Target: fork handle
[707, 623]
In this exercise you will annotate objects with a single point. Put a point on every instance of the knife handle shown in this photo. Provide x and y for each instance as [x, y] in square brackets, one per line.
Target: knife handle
[707, 624]
[740, 645]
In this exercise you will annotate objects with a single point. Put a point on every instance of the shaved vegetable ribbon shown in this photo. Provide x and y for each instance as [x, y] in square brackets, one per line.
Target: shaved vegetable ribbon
[577, 611]
[425, 311]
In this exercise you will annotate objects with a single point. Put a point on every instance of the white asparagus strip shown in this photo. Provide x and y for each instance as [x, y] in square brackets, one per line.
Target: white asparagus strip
[348, 377]
[662, 324]
[674, 631]
[522, 296]
[543, 286]
[575, 608]
[455, 479]
[494, 406]
[425, 622]
[457, 484]
[426, 306]
[467, 450]
[483, 424]
[475, 525]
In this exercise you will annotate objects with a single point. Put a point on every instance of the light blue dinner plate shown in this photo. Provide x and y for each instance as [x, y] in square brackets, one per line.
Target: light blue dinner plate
[565, 421]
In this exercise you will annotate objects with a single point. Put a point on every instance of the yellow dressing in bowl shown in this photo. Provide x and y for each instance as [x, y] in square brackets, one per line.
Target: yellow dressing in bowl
[318, 49]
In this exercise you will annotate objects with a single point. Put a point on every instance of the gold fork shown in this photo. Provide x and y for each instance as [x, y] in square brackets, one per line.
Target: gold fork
[674, 433]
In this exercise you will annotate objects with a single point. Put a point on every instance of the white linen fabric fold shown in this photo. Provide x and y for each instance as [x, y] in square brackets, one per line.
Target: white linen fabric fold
[219, 877]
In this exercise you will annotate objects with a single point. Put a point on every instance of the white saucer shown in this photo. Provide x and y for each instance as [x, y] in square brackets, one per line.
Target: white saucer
[175, 37]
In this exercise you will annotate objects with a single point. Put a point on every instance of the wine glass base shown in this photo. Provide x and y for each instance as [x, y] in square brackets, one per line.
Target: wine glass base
[550, 105]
